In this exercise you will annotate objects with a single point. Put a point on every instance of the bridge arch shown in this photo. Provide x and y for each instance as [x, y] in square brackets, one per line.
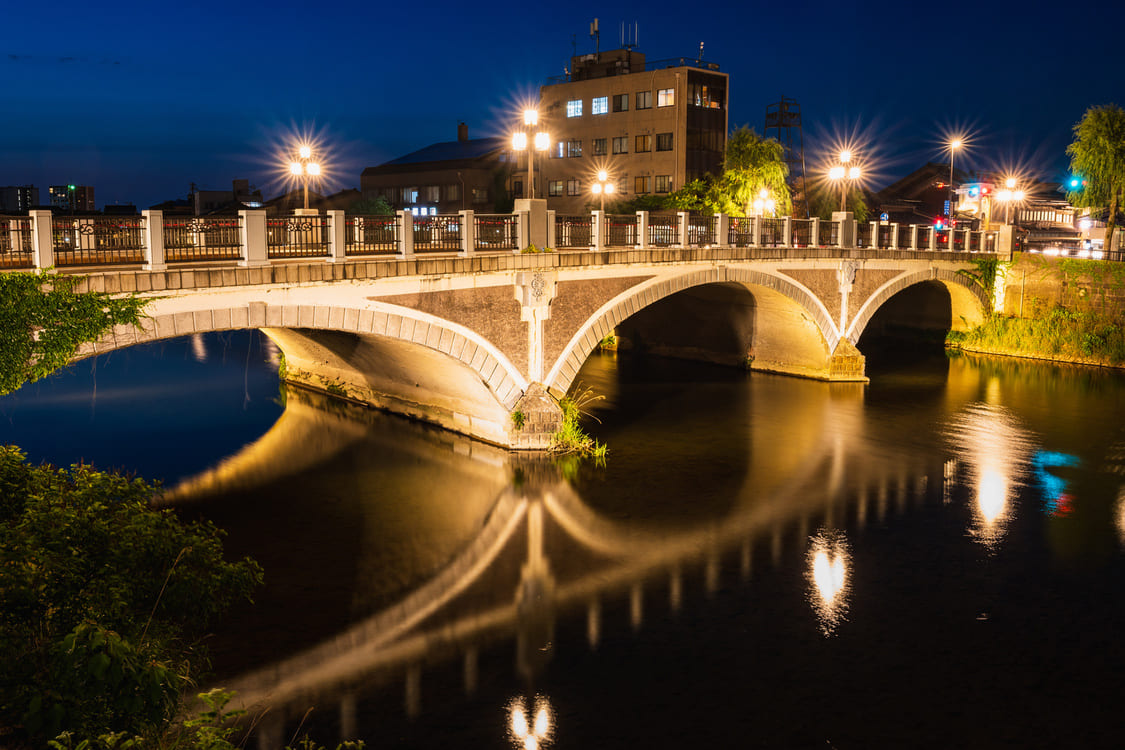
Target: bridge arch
[389, 356]
[805, 333]
[969, 301]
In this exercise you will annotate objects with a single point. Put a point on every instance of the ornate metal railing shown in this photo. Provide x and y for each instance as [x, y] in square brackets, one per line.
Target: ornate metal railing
[886, 238]
[924, 232]
[988, 242]
[863, 234]
[573, 231]
[942, 239]
[15, 242]
[663, 230]
[740, 232]
[903, 236]
[773, 232]
[802, 232]
[621, 230]
[829, 234]
[437, 233]
[96, 240]
[496, 231]
[370, 235]
[202, 238]
[297, 236]
[701, 230]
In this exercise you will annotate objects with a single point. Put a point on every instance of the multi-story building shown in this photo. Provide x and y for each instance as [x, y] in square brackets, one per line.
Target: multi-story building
[444, 178]
[19, 198]
[652, 126]
[72, 197]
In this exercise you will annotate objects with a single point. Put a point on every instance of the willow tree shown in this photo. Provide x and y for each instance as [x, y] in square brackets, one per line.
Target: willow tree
[43, 321]
[1098, 155]
[753, 163]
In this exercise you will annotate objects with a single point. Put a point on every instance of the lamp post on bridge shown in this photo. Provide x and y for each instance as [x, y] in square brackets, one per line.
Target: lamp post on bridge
[602, 187]
[522, 140]
[843, 173]
[304, 167]
[1007, 196]
[953, 146]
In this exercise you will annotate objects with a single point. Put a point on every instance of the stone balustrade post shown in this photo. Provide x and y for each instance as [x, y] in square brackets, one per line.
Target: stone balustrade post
[337, 236]
[405, 234]
[535, 210]
[42, 239]
[756, 231]
[523, 231]
[949, 237]
[153, 230]
[597, 230]
[814, 232]
[552, 229]
[252, 230]
[642, 230]
[787, 240]
[933, 239]
[965, 237]
[894, 235]
[848, 224]
[682, 221]
[913, 236]
[722, 230]
[468, 232]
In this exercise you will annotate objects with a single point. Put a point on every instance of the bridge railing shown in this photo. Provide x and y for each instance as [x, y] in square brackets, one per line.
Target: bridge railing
[886, 236]
[202, 238]
[15, 242]
[574, 231]
[621, 230]
[495, 231]
[740, 231]
[371, 235]
[97, 240]
[297, 236]
[663, 230]
[438, 233]
[829, 234]
[773, 232]
[701, 230]
[802, 232]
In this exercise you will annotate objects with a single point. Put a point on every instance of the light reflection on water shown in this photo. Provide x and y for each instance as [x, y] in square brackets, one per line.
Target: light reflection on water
[416, 582]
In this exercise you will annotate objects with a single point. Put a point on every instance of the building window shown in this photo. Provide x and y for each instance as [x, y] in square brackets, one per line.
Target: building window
[431, 193]
[644, 100]
[643, 143]
[560, 150]
[621, 145]
[665, 97]
[599, 147]
[572, 187]
[453, 192]
[410, 195]
[620, 102]
[642, 185]
[517, 189]
[599, 105]
[574, 108]
[574, 148]
[663, 183]
[709, 97]
[663, 141]
[480, 195]
[554, 188]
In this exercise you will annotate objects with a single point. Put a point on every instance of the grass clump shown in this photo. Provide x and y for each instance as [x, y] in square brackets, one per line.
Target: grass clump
[571, 438]
[1059, 334]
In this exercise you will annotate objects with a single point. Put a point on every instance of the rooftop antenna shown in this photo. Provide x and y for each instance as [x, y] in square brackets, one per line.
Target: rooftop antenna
[628, 36]
[700, 58]
[596, 36]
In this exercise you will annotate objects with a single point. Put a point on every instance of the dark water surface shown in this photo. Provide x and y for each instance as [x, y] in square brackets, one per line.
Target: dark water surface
[930, 560]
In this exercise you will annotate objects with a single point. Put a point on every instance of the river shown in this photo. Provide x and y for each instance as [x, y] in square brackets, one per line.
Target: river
[930, 560]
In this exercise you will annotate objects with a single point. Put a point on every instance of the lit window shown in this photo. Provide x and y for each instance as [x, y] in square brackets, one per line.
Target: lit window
[663, 141]
[554, 188]
[574, 108]
[665, 97]
[620, 102]
[643, 143]
[572, 187]
[644, 100]
[642, 185]
[663, 183]
[560, 149]
[599, 105]
[621, 145]
[574, 148]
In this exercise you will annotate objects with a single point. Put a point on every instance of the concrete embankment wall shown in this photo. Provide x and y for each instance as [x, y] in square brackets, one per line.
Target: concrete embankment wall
[1036, 283]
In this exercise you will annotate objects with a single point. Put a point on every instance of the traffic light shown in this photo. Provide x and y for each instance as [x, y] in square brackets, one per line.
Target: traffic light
[1077, 183]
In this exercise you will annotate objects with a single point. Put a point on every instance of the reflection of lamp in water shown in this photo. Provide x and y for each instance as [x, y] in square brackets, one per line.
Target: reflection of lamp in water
[532, 734]
[827, 573]
[992, 494]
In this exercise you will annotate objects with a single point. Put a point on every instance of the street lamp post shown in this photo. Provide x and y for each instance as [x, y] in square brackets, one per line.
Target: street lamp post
[1007, 195]
[602, 187]
[764, 204]
[304, 167]
[541, 141]
[843, 173]
[953, 146]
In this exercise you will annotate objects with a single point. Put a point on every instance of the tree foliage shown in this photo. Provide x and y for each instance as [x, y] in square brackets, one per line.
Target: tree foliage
[376, 206]
[43, 321]
[1097, 153]
[103, 600]
[824, 199]
[753, 163]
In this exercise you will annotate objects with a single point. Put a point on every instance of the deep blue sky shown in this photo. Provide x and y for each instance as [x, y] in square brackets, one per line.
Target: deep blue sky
[140, 99]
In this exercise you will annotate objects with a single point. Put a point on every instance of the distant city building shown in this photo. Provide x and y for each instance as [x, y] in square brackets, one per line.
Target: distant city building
[72, 197]
[240, 196]
[653, 126]
[19, 198]
[445, 177]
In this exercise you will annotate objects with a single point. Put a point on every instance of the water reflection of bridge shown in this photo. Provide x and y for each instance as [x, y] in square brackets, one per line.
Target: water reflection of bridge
[543, 554]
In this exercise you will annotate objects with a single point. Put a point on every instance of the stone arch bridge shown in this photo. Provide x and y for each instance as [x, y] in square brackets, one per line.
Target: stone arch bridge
[467, 342]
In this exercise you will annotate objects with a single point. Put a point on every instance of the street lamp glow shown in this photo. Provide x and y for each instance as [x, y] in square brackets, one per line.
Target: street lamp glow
[853, 173]
[542, 141]
[531, 117]
[313, 169]
[295, 168]
[519, 141]
[305, 152]
[955, 144]
[522, 140]
[304, 168]
[843, 173]
[602, 187]
[845, 156]
[1010, 182]
[602, 175]
[836, 173]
